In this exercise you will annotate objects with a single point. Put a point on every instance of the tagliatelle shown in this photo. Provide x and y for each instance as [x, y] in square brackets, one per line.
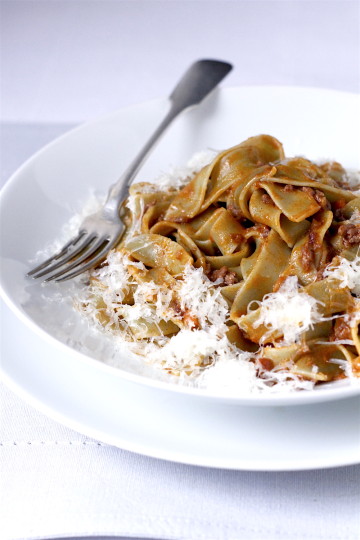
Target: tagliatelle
[255, 259]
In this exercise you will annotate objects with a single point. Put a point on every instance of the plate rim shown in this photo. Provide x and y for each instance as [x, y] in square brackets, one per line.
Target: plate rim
[184, 459]
[158, 452]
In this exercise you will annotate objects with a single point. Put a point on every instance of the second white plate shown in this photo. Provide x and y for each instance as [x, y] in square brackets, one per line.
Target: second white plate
[172, 426]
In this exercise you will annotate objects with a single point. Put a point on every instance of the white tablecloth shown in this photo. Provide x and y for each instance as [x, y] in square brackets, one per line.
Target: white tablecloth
[58, 483]
[64, 62]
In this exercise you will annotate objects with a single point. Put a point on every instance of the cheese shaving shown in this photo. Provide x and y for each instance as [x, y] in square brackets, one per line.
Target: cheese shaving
[190, 348]
[186, 354]
[289, 311]
[198, 295]
[347, 273]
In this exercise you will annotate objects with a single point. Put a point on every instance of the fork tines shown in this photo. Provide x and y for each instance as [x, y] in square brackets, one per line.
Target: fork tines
[73, 259]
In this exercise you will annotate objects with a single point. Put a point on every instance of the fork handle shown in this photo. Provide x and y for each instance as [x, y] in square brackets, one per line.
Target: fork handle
[197, 82]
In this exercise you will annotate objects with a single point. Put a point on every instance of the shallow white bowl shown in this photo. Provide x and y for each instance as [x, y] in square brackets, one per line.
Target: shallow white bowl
[50, 187]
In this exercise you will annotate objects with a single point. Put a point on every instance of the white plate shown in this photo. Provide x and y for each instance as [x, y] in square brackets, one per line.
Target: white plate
[50, 187]
[172, 426]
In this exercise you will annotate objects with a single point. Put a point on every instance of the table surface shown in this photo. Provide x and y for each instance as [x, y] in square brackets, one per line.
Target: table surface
[70, 61]
[66, 62]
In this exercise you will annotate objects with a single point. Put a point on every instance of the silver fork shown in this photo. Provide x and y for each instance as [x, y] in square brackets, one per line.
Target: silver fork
[102, 231]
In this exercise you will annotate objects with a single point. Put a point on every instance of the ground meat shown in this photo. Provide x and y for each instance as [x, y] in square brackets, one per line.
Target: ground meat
[350, 233]
[318, 196]
[307, 258]
[308, 190]
[175, 306]
[321, 199]
[341, 330]
[266, 199]
[227, 276]
[237, 237]
[312, 245]
[235, 212]
[266, 363]
[231, 278]
[189, 319]
[206, 268]
[338, 215]
[288, 187]
[337, 208]
[308, 250]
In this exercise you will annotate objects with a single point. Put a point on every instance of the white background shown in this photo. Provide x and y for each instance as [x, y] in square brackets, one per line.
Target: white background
[69, 61]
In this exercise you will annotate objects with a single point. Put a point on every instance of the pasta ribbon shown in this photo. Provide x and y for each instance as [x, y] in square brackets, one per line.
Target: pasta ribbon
[155, 250]
[272, 247]
[270, 262]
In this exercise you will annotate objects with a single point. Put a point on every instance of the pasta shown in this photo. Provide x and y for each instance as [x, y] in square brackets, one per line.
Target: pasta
[255, 258]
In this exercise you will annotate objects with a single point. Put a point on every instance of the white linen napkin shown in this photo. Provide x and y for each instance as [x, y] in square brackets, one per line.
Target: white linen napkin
[58, 483]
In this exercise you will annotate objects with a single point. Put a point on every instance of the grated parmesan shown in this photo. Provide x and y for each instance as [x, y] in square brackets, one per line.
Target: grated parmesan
[186, 354]
[289, 311]
[347, 273]
[190, 348]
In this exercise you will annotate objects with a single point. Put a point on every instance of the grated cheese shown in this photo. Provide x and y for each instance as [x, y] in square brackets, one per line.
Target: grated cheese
[289, 311]
[187, 353]
[190, 347]
[347, 273]
[238, 376]
[198, 295]
[231, 375]
[352, 176]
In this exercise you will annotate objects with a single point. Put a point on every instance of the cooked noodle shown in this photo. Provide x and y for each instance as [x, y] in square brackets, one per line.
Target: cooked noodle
[257, 252]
